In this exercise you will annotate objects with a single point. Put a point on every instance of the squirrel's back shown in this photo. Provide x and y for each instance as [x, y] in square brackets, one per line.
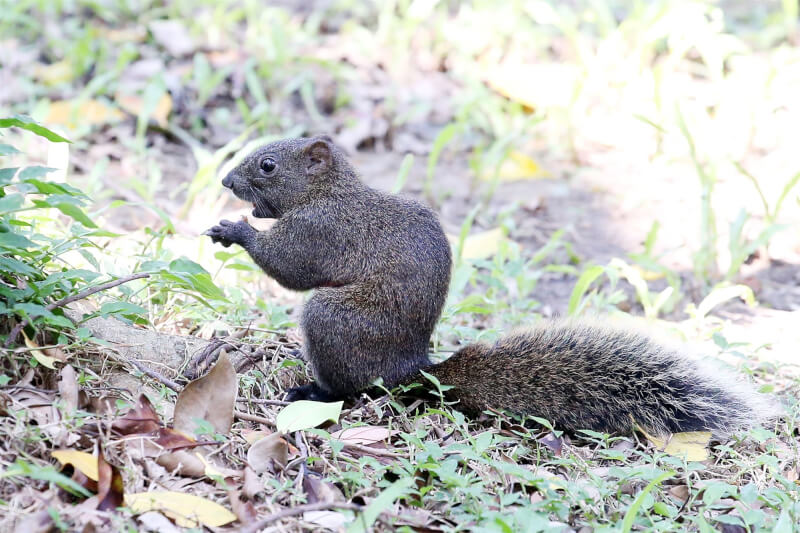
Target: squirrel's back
[581, 375]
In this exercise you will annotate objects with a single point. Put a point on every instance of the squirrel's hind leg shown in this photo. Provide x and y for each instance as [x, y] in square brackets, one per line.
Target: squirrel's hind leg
[313, 392]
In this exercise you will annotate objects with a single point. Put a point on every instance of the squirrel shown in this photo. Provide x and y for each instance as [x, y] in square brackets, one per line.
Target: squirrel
[379, 265]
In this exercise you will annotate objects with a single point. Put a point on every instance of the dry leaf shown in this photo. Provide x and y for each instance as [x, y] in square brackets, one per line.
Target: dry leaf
[693, 445]
[680, 492]
[187, 510]
[326, 519]
[110, 491]
[68, 387]
[132, 34]
[172, 439]
[321, 491]
[182, 462]
[210, 398]
[252, 484]
[38, 354]
[212, 470]
[141, 418]
[84, 112]
[480, 245]
[134, 105]
[86, 463]
[517, 166]
[553, 442]
[365, 435]
[157, 523]
[173, 36]
[271, 448]
[245, 511]
[38, 406]
[55, 73]
[56, 352]
[251, 436]
[39, 522]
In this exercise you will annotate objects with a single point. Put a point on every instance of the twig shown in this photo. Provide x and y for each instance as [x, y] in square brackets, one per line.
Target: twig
[153, 374]
[374, 451]
[296, 510]
[253, 418]
[263, 401]
[74, 298]
[303, 471]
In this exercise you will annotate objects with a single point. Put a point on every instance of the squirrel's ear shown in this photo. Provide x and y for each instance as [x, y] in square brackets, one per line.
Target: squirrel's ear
[319, 157]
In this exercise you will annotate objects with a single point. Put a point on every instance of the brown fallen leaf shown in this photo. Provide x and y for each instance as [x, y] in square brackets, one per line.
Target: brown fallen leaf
[271, 448]
[365, 435]
[172, 439]
[57, 353]
[245, 511]
[210, 398]
[251, 436]
[680, 492]
[135, 105]
[321, 491]
[251, 484]
[39, 522]
[553, 442]
[182, 462]
[141, 418]
[173, 35]
[68, 387]
[156, 523]
[110, 490]
[85, 112]
[326, 519]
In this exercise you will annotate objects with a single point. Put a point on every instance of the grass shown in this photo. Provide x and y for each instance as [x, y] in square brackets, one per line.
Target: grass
[484, 91]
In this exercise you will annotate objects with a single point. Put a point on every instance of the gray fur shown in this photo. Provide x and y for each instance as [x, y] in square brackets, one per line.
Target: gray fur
[380, 264]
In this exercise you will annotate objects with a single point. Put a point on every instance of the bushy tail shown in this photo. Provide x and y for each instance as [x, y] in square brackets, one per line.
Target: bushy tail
[584, 376]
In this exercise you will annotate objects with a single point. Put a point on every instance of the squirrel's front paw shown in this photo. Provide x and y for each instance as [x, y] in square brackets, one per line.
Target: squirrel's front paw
[227, 232]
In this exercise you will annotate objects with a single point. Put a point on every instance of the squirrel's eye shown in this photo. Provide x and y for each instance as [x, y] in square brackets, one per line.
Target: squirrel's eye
[267, 164]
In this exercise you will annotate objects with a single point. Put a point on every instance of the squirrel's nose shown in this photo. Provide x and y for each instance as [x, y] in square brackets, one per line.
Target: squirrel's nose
[227, 181]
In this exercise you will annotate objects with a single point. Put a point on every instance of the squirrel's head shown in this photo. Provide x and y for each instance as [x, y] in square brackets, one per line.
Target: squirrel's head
[279, 175]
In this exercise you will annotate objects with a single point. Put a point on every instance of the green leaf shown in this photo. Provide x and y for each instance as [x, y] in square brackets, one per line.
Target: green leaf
[630, 515]
[7, 149]
[582, 285]
[12, 241]
[76, 213]
[35, 171]
[186, 265]
[7, 174]
[11, 202]
[27, 123]
[9, 264]
[122, 308]
[45, 187]
[46, 473]
[384, 501]
[306, 414]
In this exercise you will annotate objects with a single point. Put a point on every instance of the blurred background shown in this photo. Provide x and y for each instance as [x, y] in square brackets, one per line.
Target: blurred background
[634, 157]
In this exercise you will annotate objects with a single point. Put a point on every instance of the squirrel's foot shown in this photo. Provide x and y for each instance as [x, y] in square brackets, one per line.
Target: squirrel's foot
[227, 232]
[312, 392]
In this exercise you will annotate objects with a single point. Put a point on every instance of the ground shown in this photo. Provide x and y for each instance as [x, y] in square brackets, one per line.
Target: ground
[635, 162]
